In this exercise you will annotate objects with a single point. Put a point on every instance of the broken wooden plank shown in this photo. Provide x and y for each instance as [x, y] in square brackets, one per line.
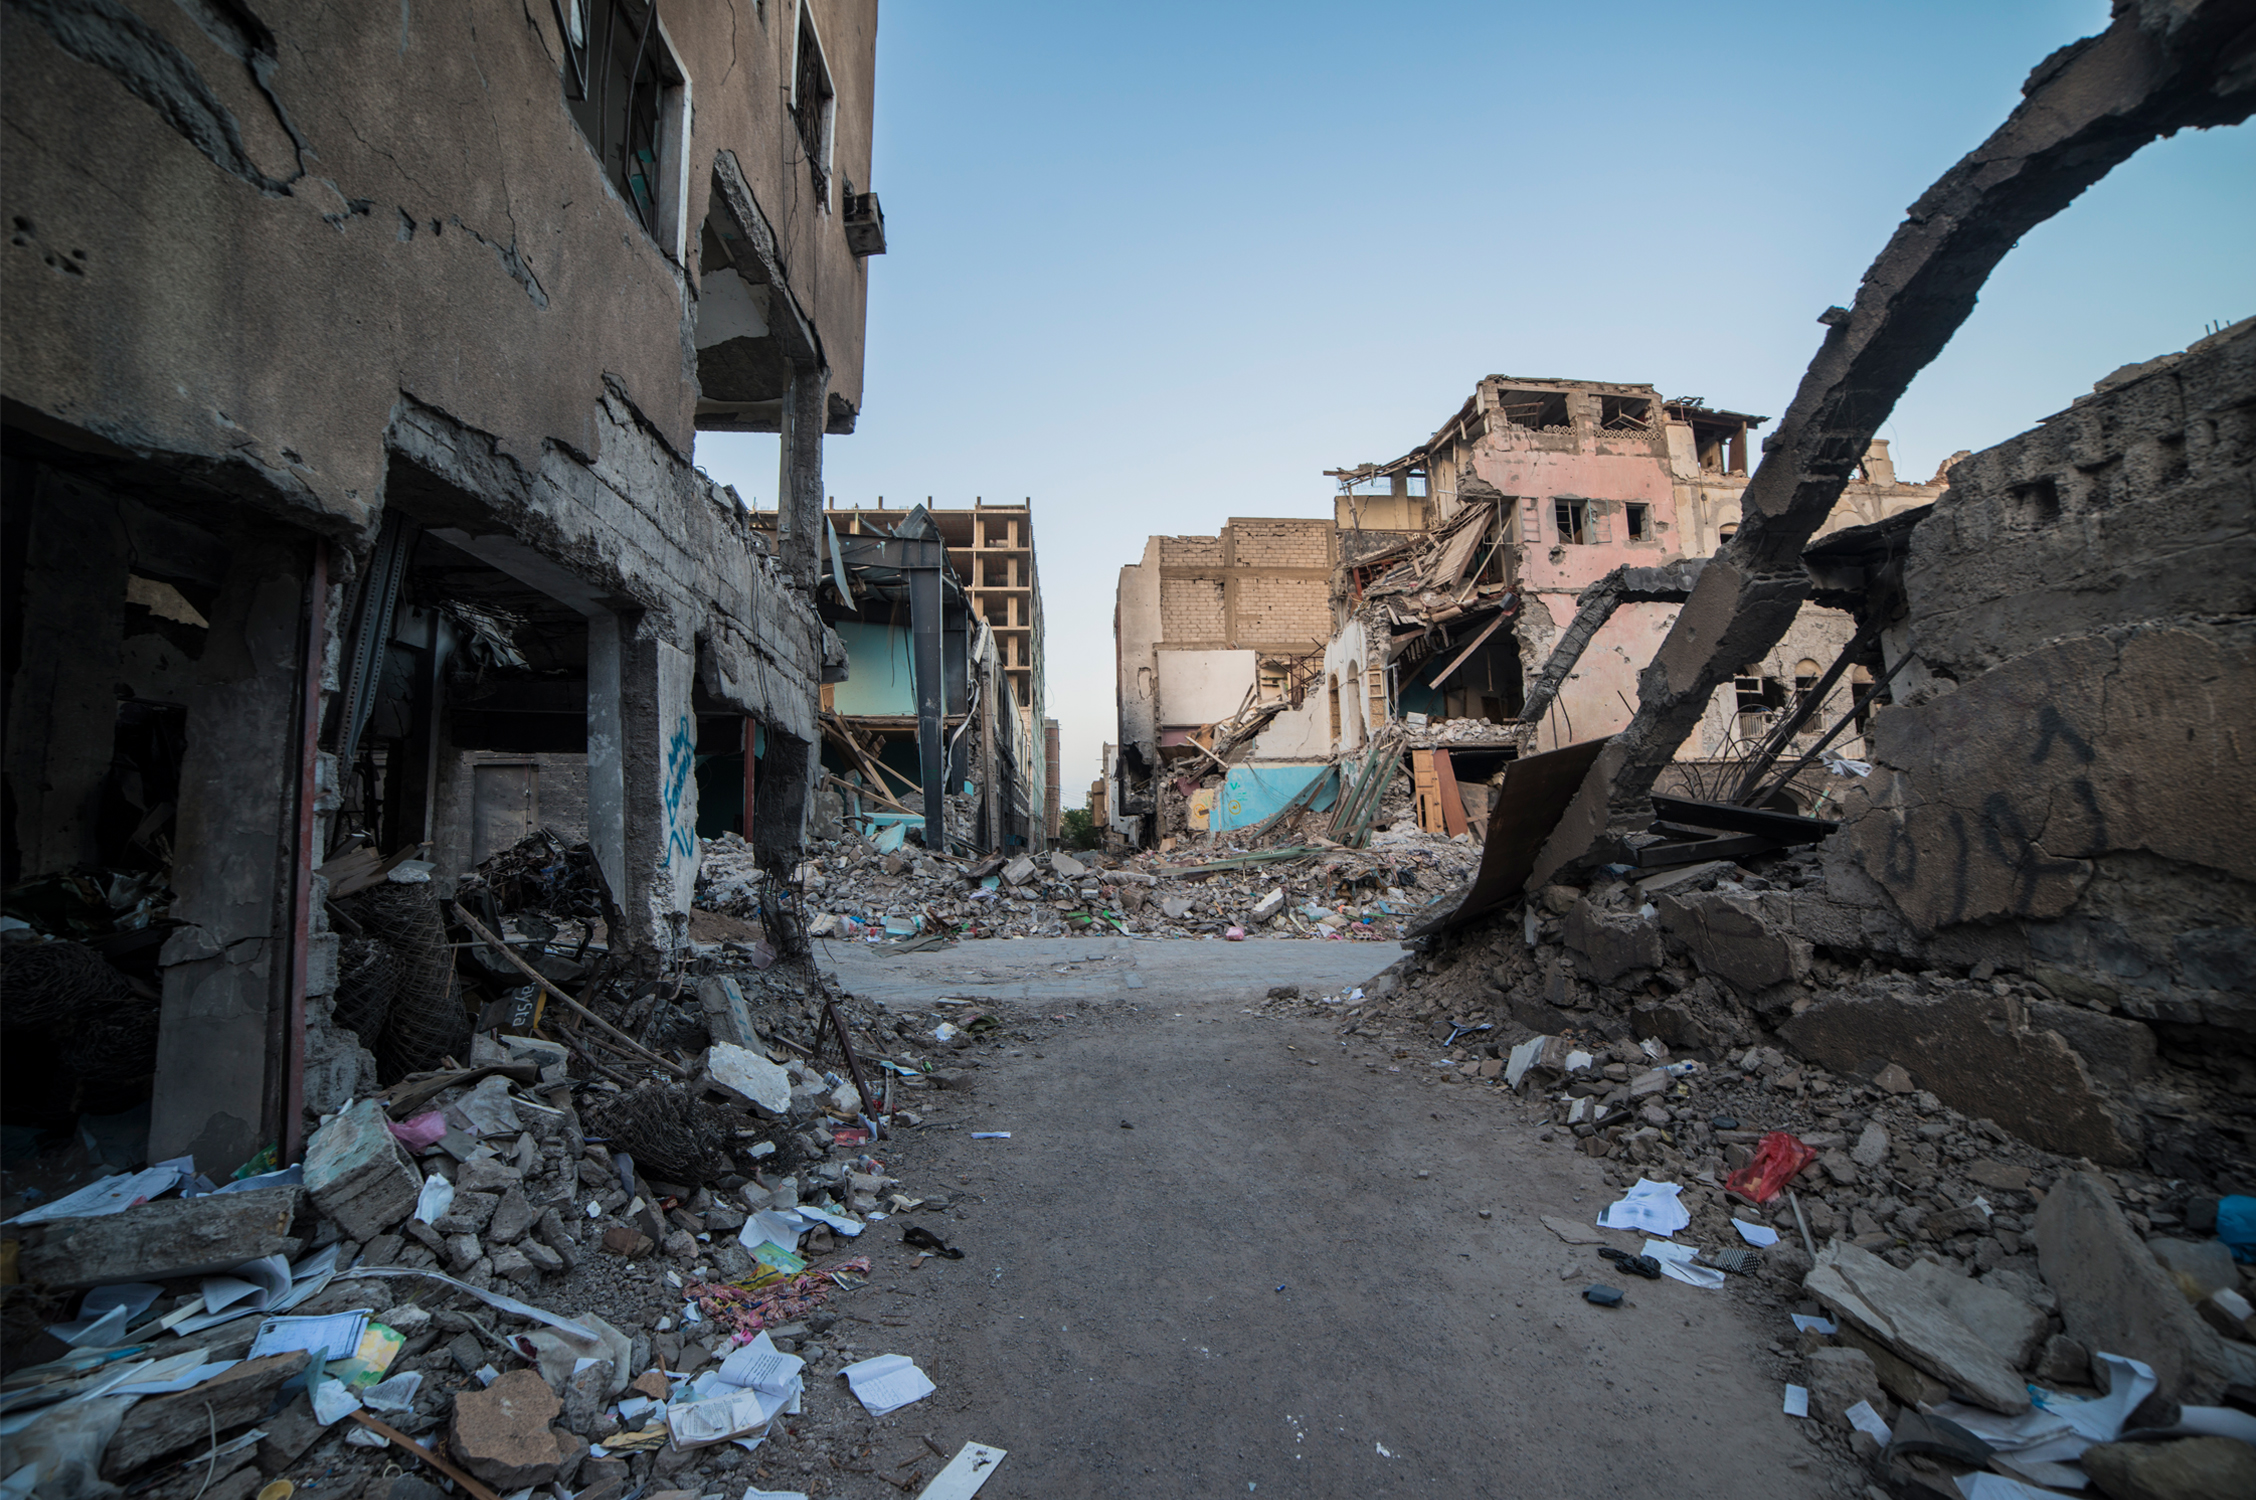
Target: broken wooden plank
[1453, 820]
[165, 1424]
[156, 1241]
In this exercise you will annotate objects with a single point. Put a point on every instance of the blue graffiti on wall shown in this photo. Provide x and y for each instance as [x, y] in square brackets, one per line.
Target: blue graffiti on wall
[681, 791]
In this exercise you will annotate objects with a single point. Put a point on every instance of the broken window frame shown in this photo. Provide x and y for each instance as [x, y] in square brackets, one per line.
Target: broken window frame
[650, 172]
[1625, 413]
[813, 102]
[1573, 520]
[1534, 410]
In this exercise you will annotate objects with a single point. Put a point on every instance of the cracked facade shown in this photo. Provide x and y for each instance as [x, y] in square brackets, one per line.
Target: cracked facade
[354, 359]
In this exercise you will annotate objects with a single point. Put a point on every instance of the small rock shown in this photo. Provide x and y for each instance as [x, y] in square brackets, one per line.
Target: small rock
[514, 1264]
[586, 1392]
[541, 1258]
[2197, 1468]
[486, 1174]
[2063, 1361]
[512, 1217]
[1838, 1379]
[1871, 1148]
[633, 1244]
[557, 1238]
[1603, 1296]
[468, 1214]
[462, 1251]
[1997, 1176]
[1893, 1079]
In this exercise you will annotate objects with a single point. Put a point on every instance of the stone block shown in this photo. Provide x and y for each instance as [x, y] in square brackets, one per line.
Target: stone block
[1731, 938]
[357, 1173]
[2010, 1326]
[2114, 1295]
[1018, 871]
[1612, 944]
[1269, 905]
[501, 1433]
[1900, 1378]
[1976, 1051]
[2206, 1263]
[2195, 1468]
[157, 1241]
[512, 1217]
[2116, 1050]
[486, 1174]
[2063, 1361]
[1893, 1309]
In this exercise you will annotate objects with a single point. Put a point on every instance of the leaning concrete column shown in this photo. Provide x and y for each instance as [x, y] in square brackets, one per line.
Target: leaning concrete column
[799, 519]
[225, 968]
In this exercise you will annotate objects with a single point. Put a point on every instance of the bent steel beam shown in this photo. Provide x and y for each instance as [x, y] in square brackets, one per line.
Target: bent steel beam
[2156, 70]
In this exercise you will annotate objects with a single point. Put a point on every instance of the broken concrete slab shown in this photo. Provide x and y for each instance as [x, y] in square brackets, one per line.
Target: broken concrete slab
[748, 1076]
[1176, 908]
[157, 1241]
[486, 1174]
[164, 1424]
[1269, 905]
[1612, 944]
[1975, 1050]
[1910, 1385]
[1729, 937]
[1890, 1307]
[358, 1174]
[1065, 864]
[1871, 1148]
[2114, 1295]
[2010, 1326]
[512, 1217]
[1018, 871]
[501, 1434]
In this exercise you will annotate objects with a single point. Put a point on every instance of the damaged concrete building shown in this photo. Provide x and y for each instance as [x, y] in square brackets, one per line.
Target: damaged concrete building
[946, 596]
[353, 363]
[1437, 598]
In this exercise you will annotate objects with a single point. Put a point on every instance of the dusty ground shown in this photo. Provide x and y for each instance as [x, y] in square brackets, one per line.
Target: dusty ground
[1278, 1281]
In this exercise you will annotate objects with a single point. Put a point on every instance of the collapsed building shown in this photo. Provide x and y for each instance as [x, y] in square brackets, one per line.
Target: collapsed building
[949, 598]
[2024, 902]
[1492, 593]
[353, 367]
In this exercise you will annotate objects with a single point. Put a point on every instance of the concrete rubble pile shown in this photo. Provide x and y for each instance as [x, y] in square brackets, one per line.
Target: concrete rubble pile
[531, 1266]
[852, 891]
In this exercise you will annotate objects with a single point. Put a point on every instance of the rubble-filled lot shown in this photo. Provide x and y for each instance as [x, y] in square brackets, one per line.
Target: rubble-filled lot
[853, 890]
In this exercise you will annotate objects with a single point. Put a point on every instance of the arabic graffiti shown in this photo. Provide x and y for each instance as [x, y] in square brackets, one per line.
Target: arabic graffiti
[681, 791]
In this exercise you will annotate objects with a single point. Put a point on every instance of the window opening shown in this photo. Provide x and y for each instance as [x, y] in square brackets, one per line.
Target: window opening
[813, 103]
[617, 72]
[1625, 413]
[1534, 409]
[1573, 517]
[1727, 530]
[1637, 521]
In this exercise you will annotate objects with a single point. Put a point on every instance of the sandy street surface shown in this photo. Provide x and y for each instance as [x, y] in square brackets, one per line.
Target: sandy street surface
[1223, 1254]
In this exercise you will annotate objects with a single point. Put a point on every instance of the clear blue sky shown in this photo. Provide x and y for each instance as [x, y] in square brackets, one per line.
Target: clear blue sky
[1158, 265]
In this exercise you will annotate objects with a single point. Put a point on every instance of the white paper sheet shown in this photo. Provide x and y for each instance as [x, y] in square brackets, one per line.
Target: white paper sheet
[772, 1226]
[973, 1465]
[495, 1300]
[761, 1366]
[112, 1195]
[1648, 1206]
[887, 1383]
[1998, 1487]
[1797, 1401]
[1758, 1235]
[698, 1424]
[839, 1223]
[257, 1283]
[104, 1312]
[1809, 1323]
[1864, 1419]
[335, 1336]
[396, 1394]
[1676, 1263]
[180, 1372]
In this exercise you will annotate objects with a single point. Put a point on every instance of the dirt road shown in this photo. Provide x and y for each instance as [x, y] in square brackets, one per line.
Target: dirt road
[1222, 1254]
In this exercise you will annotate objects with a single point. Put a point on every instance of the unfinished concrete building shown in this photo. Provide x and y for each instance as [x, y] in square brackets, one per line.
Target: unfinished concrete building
[994, 771]
[352, 368]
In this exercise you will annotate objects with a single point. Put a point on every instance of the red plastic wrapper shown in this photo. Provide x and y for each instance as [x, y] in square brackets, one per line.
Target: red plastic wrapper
[1778, 1156]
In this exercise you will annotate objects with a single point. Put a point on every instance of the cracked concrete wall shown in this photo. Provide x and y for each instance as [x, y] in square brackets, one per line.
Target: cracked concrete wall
[2083, 623]
[240, 248]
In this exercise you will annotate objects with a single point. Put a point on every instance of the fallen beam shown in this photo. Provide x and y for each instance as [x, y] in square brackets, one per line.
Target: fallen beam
[157, 1241]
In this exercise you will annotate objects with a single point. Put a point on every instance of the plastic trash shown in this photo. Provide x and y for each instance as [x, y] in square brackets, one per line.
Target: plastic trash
[332, 1401]
[422, 1132]
[1778, 1156]
[436, 1198]
[2236, 1226]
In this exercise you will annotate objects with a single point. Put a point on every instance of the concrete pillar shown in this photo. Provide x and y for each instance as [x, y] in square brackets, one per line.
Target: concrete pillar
[226, 979]
[799, 484]
[787, 780]
[606, 751]
[658, 766]
[63, 707]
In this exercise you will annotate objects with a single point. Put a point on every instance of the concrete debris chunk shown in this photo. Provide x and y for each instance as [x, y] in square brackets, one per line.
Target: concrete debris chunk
[1871, 1147]
[2115, 1296]
[512, 1217]
[157, 1241]
[2206, 1264]
[2011, 1327]
[486, 1174]
[1896, 1311]
[501, 1433]
[1838, 1379]
[1269, 905]
[2195, 1468]
[748, 1076]
[1018, 871]
[357, 1173]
